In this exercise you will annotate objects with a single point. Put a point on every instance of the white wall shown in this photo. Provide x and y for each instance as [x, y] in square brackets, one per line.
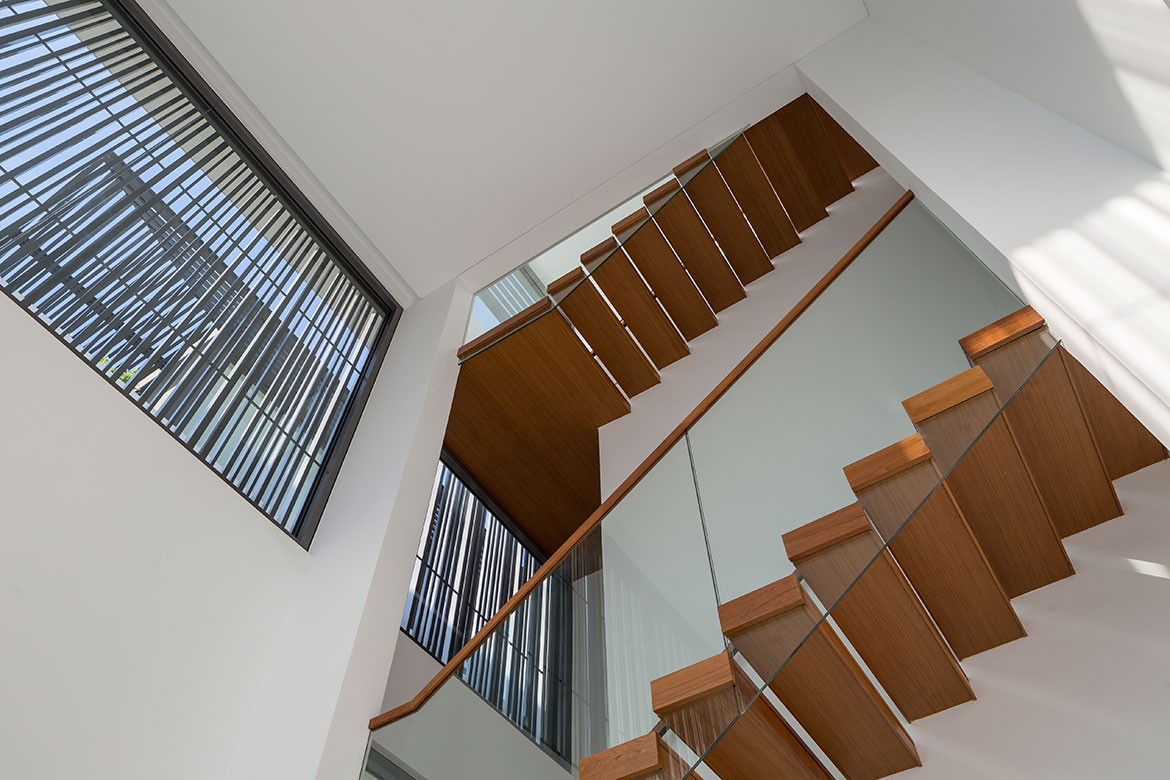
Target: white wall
[458, 735]
[1079, 226]
[411, 669]
[1103, 64]
[328, 674]
[142, 599]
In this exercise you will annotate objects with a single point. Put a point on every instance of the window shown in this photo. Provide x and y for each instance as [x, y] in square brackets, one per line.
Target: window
[469, 564]
[141, 226]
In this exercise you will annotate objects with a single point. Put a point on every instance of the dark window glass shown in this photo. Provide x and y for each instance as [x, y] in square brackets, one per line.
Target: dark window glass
[139, 232]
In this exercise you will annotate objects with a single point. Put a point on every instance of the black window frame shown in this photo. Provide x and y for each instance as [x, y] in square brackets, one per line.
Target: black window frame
[157, 45]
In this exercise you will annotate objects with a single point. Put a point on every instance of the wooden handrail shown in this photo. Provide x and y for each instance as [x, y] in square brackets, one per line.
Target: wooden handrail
[632, 481]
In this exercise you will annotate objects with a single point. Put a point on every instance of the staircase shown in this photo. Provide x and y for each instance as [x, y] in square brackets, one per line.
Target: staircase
[990, 497]
[534, 390]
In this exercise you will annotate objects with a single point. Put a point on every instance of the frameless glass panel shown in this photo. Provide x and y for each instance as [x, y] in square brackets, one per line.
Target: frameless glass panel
[133, 229]
[769, 455]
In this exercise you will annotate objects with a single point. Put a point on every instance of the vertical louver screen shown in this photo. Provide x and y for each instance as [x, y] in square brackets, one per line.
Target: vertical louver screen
[132, 227]
[469, 564]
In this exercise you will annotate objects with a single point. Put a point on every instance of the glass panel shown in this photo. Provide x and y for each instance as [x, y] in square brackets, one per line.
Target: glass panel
[769, 455]
[569, 670]
[513, 293]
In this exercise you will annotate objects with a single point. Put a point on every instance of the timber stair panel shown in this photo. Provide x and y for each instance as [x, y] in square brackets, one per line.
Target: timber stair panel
[716, 205]
[841, 558]
[699, 702]
[749, 184]
[644, 758]
[1046, 418]
[899, 489]
[854, 160]
[688, 236]
[1124, 443]
[581, 302]
[992, 483]
[820, 684]
[648, 249]
[613, 272]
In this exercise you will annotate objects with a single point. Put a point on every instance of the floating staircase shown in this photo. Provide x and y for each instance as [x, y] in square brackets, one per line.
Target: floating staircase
[1015, 484]
[608, 327]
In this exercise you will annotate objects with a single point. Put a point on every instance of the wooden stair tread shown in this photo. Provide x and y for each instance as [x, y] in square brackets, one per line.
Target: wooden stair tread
[644, 758]
[887, 462]
[1124, 443]
[643, 316]
[716, 205]
[594, 319]
[758, 744]
[880, 614]
[993, 488]
[1046, 418]
[826, 691]
[752, 190]
[648, 250]
[997, 334]
[501, 331]
[694, 246]
[941, 557]
[854, 160]
[785, 170]
[829, 530]
[947, 395]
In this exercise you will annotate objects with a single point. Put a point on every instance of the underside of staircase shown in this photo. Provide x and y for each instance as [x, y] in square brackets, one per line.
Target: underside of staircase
[990, 496]
[533, 392]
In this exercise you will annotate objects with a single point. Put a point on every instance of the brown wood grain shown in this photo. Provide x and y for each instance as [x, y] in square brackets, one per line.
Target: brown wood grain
[940, 556]
[643, 316]
[595, 320]
[759, 202]
[599, 251]
[748, 740]
[504, 329]
[995, 491]
[716, 205]
[946, 395]
[855, 161]
[886, 462]
[1124, 443]
[701, 157]
[802, 126]
[509, 424]
[644, 758]
[787, 175]
[878, 611]
[1053, 435]
[1013, 326]
[593, 522]
[829, 530]
[664, 274]
[694, 246]
[826, 691]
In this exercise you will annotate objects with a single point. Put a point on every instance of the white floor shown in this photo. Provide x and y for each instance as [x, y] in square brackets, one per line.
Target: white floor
[1086, 695]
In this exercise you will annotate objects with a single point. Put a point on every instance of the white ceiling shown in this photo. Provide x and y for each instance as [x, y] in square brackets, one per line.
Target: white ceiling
[436, 133]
